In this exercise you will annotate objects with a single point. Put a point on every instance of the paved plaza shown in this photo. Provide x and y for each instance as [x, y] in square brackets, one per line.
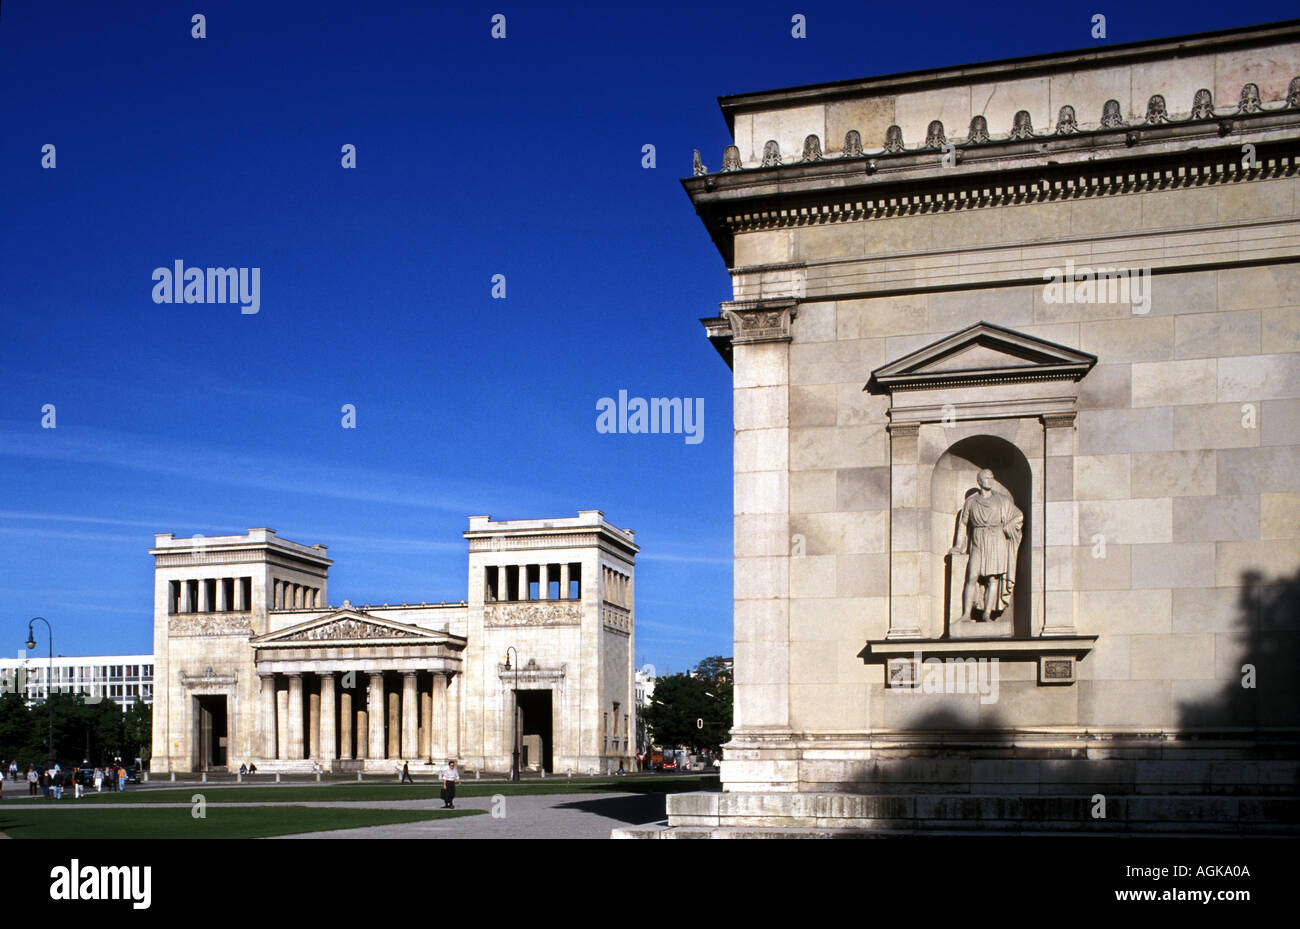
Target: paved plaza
[577, 815]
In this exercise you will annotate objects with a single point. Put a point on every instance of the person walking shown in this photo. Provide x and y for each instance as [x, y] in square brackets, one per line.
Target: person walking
[406, 774]
[78, 784]
[450, 778]
[99, 780]
[121, 778]
[32, 780]
[13, 770]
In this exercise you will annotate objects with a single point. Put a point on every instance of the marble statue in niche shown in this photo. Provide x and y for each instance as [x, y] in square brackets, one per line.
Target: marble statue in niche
[989, 530]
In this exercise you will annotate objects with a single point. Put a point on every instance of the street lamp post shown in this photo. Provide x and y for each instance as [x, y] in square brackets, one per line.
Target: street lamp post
[514, 728]
[49, 681]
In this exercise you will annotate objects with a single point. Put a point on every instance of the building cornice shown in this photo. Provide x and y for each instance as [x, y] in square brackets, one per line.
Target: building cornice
[839, 190]
[1011, 68]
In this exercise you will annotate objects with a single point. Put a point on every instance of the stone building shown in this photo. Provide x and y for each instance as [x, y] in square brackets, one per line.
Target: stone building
[1022, 333]
[253, 665]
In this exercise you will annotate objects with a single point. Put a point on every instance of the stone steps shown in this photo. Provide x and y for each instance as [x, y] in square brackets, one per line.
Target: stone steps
[777, 814]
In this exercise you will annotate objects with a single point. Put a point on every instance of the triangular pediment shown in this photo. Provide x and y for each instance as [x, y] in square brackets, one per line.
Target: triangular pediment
[352, 626]
[983, 353]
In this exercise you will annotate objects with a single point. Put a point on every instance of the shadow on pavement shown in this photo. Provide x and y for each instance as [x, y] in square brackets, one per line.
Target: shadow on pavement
[643, 808]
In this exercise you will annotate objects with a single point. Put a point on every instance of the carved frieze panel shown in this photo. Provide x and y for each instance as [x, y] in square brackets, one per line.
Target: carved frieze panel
[554, 613]
[195, 624]
[616, 618]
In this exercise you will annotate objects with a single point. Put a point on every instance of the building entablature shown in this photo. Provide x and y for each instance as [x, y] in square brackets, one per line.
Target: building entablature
[588, 528]
[258, 545]
[1085, 165]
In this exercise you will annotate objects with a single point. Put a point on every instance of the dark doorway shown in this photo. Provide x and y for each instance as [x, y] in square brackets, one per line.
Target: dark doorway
[212, 731]
[535, 719]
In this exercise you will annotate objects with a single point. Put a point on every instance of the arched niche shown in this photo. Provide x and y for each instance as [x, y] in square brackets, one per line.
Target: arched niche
[985, 396]
[951, 482]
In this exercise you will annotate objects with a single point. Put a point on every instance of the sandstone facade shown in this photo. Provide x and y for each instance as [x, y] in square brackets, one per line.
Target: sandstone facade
[252, 665]
[1081, 272]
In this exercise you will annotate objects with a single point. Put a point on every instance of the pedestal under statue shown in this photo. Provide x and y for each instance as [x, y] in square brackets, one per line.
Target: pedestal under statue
[989, 530]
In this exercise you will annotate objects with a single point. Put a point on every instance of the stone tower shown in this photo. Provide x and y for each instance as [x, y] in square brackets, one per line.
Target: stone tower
[561, 593]
[210, 595]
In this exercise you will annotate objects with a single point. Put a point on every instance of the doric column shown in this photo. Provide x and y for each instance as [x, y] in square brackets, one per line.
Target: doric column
[268, 716]
[375, 709]
[345, 725]
[394, 724]
[240, 605]
[438, 750]
[564, 581]
[296, 752]
[426, 722]
[453, 717]
[282, 723]
[410, 716]
[543, 581]
[275, 594]
[222, 605]
[523, 582]
[325, 738]
[313, 725]
[204, 605]
[362, 732]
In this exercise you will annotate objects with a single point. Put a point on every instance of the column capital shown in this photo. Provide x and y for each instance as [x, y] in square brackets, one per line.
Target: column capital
[760, 320]
[1062, 420]
[899, 430]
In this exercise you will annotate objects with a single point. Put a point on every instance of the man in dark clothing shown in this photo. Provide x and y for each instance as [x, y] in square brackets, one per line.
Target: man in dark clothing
[450, 778]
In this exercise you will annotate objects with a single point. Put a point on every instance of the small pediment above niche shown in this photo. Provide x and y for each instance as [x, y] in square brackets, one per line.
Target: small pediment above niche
[981, 354]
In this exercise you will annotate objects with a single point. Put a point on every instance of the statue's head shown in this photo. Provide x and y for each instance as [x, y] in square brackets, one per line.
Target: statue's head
[984, 478]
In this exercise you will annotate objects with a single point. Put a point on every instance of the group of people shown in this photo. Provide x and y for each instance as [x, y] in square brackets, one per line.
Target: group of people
[52, 781]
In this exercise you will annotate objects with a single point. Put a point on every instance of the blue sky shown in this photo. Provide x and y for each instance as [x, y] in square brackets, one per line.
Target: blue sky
[475, 157]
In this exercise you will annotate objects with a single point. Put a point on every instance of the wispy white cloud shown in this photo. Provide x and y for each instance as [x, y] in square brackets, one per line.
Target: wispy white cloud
[70, 534]
[721, 561]
[145, 611]
[259, 470]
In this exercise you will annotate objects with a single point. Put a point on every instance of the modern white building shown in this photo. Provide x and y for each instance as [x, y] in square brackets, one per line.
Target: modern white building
[644, 685]
[120, 678]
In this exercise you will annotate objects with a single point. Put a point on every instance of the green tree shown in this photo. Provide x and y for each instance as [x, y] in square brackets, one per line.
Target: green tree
[16, 730]
[81, 730]
[693, 710]
[138, 731]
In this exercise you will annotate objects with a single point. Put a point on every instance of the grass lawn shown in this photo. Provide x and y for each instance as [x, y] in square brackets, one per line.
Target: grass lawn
[35, 822]
[351, 791]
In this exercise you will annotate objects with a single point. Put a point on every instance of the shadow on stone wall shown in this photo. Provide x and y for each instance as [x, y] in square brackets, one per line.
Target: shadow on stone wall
[1263, 647]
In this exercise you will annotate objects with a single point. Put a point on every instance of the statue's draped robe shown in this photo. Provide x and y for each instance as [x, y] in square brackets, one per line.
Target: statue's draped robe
[994, 525]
